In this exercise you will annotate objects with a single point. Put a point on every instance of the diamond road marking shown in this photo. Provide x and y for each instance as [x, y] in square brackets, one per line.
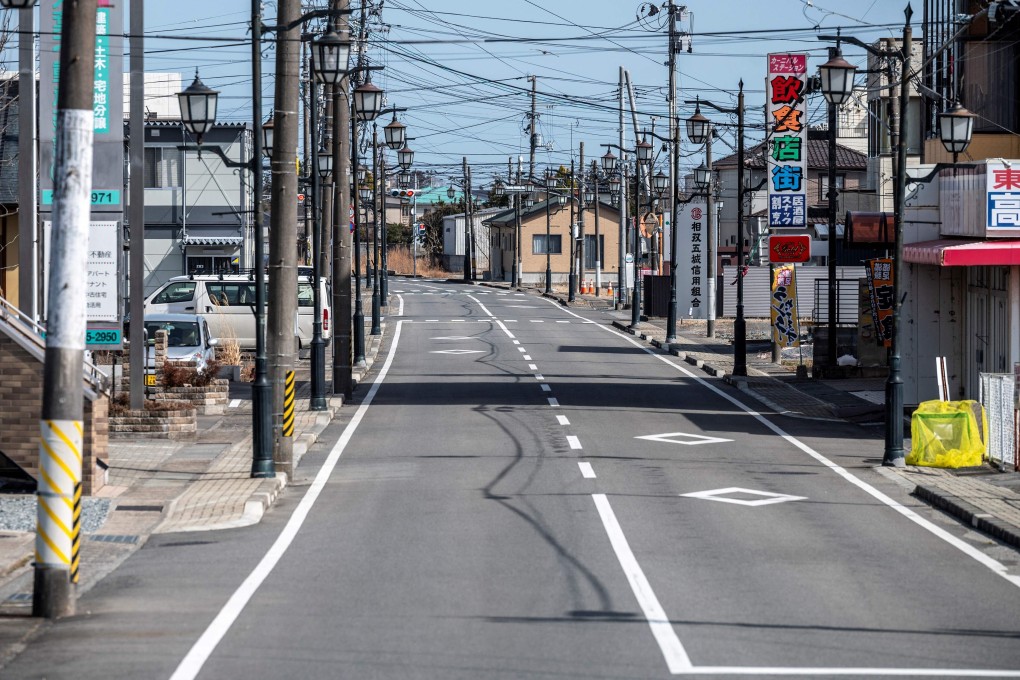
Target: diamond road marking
[768, 498]
[458, 351]
[693, 439]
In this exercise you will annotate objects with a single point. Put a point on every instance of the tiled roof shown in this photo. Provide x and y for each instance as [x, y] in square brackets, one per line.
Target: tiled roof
[818, 157]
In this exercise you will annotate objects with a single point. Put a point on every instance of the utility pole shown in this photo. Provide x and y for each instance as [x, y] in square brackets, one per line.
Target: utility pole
[467, 226]
[580, 215]
[343, 380]
[136, 254]
[674, 177]
[283, 227]
[572, 260]
[621, 277]
[712, 246]
[533, 137]
[471, 225]
[28, 274]
[61, 421]
[598, 233]
[377, 201]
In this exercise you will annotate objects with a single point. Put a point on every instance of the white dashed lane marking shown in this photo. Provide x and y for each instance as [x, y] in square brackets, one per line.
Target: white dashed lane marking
[586, 470]
[574, 442]
[562, 420]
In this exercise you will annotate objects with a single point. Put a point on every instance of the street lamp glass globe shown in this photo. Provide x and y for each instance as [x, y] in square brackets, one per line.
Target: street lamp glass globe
[450, 193]
[529, 201]
[956, 127]
[529, 187]
[644, 151]
[614, 184]
[561, 199]
[609, 162]
[589, 196]
[498, 189]
[404, 179]
[550, 178]
[837, 76]
[395, 133]
[660, 182]
[405, 157]
[325, 159]
[367, 101]
[267, 137]
[365, 193]
[198, 107]
[701, 177]
[698, 127]
[362, 173]
[329, 57]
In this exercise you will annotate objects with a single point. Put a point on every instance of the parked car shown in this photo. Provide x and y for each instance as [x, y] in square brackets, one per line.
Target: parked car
[188, 338]
[228, 303]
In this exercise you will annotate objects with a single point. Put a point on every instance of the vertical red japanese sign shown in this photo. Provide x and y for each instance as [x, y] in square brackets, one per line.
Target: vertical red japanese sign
[880, 285]
[785, 322]
[787, 139]
[1003, 191]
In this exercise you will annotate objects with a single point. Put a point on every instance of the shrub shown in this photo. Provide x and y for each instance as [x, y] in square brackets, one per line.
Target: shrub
[122, 404]
[179, 374]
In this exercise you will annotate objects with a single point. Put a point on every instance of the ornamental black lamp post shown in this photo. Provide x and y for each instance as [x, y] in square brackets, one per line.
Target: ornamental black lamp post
[956, 126]
[395, 134]
[644, 153]
[329, 62]
[366, 103]
[837, 76]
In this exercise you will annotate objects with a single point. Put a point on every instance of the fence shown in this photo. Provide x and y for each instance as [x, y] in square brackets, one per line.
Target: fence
[997, 396]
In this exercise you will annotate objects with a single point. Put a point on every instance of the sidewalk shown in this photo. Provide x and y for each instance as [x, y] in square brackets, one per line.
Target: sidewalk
[984, 498]
[159, 486]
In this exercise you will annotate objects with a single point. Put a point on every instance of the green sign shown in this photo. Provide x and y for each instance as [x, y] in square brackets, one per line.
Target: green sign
[102, 336]
[99, 197]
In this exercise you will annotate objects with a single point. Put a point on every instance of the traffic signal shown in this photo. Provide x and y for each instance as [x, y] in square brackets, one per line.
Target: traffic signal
[403, 193]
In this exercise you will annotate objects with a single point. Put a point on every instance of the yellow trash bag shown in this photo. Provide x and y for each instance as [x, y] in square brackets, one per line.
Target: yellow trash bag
[948, 434]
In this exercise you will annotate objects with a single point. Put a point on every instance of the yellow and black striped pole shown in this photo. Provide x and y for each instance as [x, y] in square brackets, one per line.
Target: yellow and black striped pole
[76, 534]
[288, 405]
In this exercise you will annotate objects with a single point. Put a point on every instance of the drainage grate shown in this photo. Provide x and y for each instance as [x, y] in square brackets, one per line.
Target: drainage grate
[113, 538]
[140, 508]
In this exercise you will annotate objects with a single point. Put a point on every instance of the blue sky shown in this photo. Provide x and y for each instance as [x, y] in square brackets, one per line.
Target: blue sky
[461, 68]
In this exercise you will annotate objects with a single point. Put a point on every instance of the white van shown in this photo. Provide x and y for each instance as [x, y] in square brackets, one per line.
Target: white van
[227, 301]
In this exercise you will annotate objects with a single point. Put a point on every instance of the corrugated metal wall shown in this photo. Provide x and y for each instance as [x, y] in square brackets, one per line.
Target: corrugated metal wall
[758, 290]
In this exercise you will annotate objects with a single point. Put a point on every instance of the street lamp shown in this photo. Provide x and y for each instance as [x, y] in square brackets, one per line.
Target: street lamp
[699, 129]
[609, 162]
[405, 157]
[325, 162]
[660, 182]
[395, 133]
[561, 200]
[450, 193]
[198, 104]
[956, 126]
[837, 77]
[268, 129]
[329, 57]
[367, 101]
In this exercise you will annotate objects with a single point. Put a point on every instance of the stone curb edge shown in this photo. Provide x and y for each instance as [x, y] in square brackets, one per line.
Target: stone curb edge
[973, 515]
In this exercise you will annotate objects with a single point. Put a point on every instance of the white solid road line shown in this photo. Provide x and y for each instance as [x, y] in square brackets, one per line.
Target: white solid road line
[586, 470]
[400, 307]
[574, 442]
[191, 665]
[662, 630]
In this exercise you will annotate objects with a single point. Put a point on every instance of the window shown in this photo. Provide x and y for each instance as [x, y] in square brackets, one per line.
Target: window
[305, 295]
[162, 167]
[405, 210]
[179, 291]
[179, 334]
[211, 264]
[589, 251]
[538, 244]
[231, 294]
[823, 186]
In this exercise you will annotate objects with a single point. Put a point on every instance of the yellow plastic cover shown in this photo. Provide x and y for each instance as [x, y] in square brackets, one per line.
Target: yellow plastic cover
[948, 434]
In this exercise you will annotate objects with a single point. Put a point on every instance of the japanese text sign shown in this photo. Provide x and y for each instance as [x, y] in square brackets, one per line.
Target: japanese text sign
[785, 323]
[692, 259]
[880, 286]
[1003, 195]
[793, 248]
[787, 126]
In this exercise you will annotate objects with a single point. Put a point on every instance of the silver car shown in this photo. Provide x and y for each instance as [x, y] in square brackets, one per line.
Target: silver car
[188, 338]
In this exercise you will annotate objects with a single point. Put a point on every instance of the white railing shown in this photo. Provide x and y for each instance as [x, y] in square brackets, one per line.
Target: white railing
[997, 396]
[18, 322]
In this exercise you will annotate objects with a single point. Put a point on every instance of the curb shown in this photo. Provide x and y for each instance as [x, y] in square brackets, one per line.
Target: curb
[973, 515]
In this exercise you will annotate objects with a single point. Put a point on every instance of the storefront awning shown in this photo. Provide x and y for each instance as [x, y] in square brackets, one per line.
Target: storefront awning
[212, 240]
[960, 253]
